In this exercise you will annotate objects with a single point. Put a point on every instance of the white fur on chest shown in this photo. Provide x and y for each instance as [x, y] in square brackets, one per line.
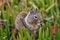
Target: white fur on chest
[26, 18]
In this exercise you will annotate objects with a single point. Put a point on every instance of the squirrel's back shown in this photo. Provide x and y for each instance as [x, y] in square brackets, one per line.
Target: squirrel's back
[19, 20]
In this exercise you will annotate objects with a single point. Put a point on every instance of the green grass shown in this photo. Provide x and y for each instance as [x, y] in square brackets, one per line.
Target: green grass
[50, 10]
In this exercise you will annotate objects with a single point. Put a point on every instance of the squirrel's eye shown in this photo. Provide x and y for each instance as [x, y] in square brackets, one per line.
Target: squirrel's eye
[35, 17]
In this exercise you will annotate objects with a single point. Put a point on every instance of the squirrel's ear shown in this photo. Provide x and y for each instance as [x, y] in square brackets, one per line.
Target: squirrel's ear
[36, 10]
[31, 12]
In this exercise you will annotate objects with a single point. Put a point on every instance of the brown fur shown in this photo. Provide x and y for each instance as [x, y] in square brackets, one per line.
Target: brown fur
[19, 20]
[24, 20]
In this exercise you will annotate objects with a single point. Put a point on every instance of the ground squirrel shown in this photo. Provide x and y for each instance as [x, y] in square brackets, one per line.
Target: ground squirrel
[32, 21]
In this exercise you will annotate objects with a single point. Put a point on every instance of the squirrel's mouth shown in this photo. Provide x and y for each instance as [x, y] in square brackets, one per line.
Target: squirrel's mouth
[39, 24]
[36, 26]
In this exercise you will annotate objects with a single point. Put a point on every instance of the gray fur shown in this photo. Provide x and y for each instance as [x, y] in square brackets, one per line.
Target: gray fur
[28, 21]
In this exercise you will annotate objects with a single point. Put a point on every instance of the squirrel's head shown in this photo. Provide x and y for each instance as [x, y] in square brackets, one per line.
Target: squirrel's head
[34, 19]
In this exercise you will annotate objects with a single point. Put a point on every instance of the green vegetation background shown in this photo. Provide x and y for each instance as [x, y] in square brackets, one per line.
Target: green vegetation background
[50, 10]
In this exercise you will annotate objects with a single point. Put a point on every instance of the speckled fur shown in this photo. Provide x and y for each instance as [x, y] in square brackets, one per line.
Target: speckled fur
[24, 20]
[19, 20]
